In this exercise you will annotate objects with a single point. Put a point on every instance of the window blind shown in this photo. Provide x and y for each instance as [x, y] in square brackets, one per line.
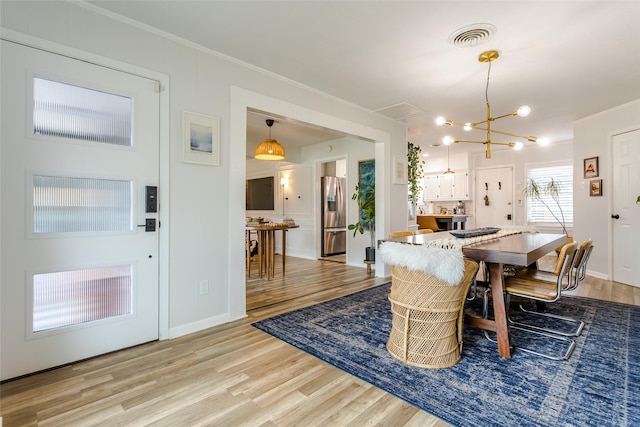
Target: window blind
[537, 212]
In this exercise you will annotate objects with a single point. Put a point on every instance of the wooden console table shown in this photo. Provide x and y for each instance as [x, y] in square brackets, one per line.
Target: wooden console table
[266, 247]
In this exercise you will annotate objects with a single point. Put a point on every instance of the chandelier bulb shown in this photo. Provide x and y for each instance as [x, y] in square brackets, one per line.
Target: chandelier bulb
[448, 140]
[523, 111]
[468, 127]
[543, 142]
[440, 121]
[517, 145]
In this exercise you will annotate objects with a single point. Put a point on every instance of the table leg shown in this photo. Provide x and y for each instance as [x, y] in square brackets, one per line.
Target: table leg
[261, 249]
[248, 249]
[267, 250]
[272, 249]
[496, 274]
[284, 248]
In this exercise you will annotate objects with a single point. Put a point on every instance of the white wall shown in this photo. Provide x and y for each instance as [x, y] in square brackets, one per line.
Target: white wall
[529, 155]
[592, 136]
[205, 225]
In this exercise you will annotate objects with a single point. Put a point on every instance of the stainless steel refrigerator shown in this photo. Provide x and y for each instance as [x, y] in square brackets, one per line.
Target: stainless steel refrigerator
[334, 216]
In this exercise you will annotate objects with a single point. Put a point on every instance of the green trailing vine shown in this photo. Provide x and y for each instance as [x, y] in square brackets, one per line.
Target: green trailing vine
[414, 171]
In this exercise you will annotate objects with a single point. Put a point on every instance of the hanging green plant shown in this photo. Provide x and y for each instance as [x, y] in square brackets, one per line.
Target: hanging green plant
[414, 171]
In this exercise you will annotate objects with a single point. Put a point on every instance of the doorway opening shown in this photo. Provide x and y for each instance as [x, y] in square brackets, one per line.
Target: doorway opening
[333, 211]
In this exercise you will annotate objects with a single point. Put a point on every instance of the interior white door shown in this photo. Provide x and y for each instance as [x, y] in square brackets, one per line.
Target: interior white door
[625, 212]
[75, 282]
[494, 197]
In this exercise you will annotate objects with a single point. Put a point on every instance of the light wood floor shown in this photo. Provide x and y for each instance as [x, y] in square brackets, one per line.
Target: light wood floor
[230, 375]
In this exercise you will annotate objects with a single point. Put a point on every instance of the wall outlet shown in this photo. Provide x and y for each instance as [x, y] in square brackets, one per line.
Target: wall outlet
[204, 287]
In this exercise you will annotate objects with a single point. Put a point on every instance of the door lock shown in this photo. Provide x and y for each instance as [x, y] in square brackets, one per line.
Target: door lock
[149, 224]
[616, 216]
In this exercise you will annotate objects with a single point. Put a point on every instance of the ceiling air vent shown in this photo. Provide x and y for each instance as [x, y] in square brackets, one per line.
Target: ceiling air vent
[471, 35]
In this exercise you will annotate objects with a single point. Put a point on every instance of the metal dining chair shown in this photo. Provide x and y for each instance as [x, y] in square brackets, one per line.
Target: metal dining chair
[580, 270]
[400, 234]
[577, 275]
[529, 288]
[423, 231]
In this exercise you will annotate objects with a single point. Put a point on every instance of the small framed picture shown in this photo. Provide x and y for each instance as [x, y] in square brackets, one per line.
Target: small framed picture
[595, 187]
[200, 139]
[591, 167]
[399, 171]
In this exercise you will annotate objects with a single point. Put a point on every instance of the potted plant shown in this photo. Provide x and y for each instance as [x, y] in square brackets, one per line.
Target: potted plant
[542, 193]
[366, 198]
[414, 173]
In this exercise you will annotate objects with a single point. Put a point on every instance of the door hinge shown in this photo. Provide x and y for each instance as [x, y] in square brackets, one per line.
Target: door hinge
[158, 87]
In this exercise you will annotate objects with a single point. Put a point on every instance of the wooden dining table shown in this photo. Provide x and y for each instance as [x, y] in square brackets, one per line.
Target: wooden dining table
[266, 246]
[521, 249]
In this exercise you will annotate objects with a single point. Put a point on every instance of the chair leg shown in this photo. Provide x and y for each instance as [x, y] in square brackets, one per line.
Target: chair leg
[512, 325]
[574, 333]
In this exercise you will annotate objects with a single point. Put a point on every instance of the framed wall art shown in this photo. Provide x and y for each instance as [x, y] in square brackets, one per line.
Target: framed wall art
[399, 171]
[591, 169]
[595, 187]
[200, 139]
[366, 176]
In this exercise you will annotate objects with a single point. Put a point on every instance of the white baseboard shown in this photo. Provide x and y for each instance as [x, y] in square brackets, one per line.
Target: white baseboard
[597, 275]
[190, 328]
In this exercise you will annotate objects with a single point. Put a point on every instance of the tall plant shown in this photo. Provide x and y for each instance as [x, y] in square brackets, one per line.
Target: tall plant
[414, 171]
[541, 193]
[366, 198]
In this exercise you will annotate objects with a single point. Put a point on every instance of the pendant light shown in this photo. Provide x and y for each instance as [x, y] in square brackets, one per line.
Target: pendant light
[449, 172]
[269, 149]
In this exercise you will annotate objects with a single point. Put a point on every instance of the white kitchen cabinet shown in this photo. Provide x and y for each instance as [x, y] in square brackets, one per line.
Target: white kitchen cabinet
[430, 187]
[460, 186]
[441, 187]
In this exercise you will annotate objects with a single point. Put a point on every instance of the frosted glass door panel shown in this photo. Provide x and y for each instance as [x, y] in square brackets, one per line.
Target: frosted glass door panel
[74, 112]
[72, 297]
[81, 205]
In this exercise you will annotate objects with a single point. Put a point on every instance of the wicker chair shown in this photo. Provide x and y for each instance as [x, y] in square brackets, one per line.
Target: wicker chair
[427, 315]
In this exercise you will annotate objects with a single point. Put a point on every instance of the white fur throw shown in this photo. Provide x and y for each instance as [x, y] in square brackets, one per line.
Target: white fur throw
[446, 264]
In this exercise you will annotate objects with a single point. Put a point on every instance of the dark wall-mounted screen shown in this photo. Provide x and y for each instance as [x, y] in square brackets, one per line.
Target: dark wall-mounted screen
[260, 194]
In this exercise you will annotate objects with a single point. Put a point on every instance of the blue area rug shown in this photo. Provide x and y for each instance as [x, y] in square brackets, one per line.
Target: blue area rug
[598, 386]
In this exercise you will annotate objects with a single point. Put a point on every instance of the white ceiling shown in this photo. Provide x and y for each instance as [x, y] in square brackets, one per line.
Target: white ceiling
[565, 59]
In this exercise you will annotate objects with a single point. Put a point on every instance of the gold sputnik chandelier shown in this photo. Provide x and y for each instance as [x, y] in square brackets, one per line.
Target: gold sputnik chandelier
[485, 125]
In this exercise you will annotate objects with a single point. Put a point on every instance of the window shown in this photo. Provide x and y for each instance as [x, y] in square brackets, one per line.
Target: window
[548, 212]
[78, 113]
[80, 205]
[71, 297]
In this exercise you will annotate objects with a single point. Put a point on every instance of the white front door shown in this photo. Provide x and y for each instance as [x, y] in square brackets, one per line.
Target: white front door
[494, 197]
[625, 212]
[80, 144]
